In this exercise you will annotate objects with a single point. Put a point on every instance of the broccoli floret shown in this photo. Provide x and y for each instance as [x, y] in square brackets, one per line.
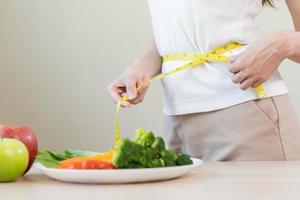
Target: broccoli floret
[146, 151]
[134, 165]
[128, 154]
[158, 145]
[145, 138]
[139, 132]
[156, 163]
[184, 159]
[169, 158]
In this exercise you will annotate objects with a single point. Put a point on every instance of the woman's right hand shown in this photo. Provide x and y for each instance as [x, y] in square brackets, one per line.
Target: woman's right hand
[137, 76]
[126, 85]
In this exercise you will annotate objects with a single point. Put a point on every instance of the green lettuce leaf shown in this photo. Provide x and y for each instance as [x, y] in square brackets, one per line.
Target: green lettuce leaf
[52, 159]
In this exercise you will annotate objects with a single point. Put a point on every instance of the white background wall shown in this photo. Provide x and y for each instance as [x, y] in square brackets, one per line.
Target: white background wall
[57, 57]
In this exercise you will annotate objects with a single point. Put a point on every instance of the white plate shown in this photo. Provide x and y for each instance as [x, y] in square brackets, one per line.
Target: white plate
[118, 175]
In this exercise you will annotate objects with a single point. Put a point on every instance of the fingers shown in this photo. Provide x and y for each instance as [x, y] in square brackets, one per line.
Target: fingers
[248, 83]
[239, 77]
[141, 91]
[134, 89]
[117, 89]
[114, 91]
[126, 104]
[244, 74]
[115, 96]
[133, 83]
[256, 84]
[131, 91]
[140, 97]
[235, 66]
[260, 81]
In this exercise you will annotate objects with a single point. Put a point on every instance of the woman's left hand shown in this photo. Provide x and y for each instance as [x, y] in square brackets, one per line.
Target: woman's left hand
[254, 66]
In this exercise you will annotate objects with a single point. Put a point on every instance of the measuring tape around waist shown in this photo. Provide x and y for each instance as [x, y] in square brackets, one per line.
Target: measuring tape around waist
[196, 59]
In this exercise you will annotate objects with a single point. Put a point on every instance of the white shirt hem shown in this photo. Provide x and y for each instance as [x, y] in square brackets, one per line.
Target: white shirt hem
[181, 107]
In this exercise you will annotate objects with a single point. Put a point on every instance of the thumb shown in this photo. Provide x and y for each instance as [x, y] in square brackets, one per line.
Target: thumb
[131, 89]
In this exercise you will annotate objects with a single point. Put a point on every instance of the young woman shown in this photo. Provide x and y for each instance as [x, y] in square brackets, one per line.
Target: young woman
[213, 111]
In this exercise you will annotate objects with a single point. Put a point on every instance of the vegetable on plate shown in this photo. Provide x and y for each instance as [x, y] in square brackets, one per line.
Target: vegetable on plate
[145, 151]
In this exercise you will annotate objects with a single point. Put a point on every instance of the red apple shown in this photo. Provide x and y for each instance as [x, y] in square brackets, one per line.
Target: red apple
[25, 135]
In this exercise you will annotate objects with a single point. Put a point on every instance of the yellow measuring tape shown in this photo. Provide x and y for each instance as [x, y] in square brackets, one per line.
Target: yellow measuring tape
[197, 59]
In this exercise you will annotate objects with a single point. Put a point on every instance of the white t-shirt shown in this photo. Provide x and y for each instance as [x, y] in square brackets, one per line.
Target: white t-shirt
[200, 26]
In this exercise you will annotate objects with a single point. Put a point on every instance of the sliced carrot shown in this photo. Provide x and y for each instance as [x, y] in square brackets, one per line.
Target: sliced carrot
[100, 161]
[92, 164]
[86, 164]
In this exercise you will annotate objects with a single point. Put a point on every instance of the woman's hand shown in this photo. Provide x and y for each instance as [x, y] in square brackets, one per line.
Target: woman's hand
[261, 59]
[128, 83]
[137, 76]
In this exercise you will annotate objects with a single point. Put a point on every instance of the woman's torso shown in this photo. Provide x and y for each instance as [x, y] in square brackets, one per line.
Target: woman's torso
[200, 26]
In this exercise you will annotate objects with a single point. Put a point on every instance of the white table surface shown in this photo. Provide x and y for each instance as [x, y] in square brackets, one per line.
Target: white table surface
[221, 180]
